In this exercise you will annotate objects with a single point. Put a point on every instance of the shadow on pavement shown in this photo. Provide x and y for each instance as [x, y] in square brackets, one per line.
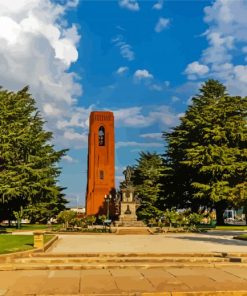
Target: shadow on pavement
[211, 238]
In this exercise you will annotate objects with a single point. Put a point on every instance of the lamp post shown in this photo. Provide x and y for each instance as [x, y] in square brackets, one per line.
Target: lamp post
[107, 199]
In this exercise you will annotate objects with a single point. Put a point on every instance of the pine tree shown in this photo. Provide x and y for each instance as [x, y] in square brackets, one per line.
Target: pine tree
[209, 148]
[146, 178]
[28, 166]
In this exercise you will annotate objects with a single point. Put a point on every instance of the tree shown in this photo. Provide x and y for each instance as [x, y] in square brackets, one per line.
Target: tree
[28, 166]
[207, 151]
[66, 217]
[147, 181]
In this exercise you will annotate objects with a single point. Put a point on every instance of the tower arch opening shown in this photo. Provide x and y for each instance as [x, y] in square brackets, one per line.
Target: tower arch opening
[101, 136]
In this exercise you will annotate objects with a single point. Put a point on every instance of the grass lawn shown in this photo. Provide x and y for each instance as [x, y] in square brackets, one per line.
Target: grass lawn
[15, 243]
[28, 227]
[232, 227]
[241, 236]
[31, 227]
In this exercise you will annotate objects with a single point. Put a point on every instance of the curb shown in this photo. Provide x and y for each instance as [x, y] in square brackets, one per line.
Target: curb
[198, 293]
[10, 256]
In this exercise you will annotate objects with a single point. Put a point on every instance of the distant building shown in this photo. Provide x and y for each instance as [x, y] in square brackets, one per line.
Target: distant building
[78, 210]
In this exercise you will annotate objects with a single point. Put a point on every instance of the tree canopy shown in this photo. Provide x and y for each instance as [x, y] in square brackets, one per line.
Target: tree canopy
[207, 152]
[146, 177]
[28, 160]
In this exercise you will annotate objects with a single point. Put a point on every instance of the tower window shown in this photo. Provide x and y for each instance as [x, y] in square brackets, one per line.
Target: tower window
[101, 175]
[101, 135]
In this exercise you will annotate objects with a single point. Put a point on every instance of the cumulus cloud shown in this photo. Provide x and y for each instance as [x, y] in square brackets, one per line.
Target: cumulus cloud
[175, 99]
[196, 69]
[158, 5]
[156, 87]
[156, 136]
[122, 70]
[126, 50]
[137, 117]
[161, 24]
[37, 48]
[142, 75]
[130, 117]
[69, 159]
[129, 4]
[226, 36]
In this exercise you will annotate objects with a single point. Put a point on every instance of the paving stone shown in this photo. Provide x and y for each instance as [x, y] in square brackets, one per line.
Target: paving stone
[240, 272]
[61, 285]
[7, 278]
[97, 281]
[131, 280]
[27, 285]
[196, 283]
[159, 278]
[3, 292]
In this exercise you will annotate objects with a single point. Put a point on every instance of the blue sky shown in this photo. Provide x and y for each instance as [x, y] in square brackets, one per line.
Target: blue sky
[141, 59]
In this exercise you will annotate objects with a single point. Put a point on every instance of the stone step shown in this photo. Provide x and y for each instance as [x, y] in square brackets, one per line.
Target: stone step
[138, 254]
[86, 266]
[130, 230]
[62, 260]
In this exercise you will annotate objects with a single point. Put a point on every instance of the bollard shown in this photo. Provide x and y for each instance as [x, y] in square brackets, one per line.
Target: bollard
[39, 239]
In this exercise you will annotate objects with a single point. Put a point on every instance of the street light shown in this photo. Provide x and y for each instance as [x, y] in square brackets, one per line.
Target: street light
[107, 199]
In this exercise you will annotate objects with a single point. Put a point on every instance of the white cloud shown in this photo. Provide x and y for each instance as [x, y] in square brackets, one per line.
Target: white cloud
[126, 50]
[161, 24]
[142, 74]
[175, 99]
[226, 36]
[196, 69]
[156, 87]
[37, 48]
[136, 117]
[158, 5]
[156, 136]
[79, 139]
[69, 159]
[122, 70]
[138, 144]
[130, 117]
[167, 83]
[129, 4]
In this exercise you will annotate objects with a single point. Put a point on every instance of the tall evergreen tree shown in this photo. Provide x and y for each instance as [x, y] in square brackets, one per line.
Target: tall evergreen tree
[207, 151]
[28, 166]
[146, 178]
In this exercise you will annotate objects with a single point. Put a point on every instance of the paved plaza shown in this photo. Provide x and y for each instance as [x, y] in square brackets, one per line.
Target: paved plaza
[161, 281]
[124, 281]
[214, 241]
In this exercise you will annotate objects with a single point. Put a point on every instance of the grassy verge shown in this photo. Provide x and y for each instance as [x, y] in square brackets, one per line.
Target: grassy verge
[241, 237]
[232, 227]
[28, 227]
[16, 243]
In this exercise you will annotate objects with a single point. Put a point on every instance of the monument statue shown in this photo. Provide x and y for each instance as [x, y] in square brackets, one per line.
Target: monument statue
[128, 202]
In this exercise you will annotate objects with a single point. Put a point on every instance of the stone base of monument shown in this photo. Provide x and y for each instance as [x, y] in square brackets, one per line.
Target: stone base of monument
[128, 216]
[129, 223]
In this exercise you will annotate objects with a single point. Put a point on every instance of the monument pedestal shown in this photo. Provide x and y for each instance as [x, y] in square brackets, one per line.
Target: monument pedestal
[128, 206]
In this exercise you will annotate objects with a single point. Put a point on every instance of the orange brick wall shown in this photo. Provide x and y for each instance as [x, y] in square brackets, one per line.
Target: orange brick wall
[100, 158]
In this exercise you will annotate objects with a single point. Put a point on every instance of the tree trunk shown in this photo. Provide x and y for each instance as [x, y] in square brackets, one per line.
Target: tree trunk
[220, 208]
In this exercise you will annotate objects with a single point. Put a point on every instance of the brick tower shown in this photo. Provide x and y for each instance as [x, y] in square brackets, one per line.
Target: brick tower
[101, 161]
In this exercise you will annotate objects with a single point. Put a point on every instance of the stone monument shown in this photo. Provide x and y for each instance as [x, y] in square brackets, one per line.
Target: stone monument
[128, 203]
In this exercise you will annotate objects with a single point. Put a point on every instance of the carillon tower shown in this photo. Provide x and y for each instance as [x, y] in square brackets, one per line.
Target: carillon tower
[101, 161]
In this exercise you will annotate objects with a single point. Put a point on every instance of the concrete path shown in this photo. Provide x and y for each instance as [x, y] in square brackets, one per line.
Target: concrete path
[167, 243]
[124, 281]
